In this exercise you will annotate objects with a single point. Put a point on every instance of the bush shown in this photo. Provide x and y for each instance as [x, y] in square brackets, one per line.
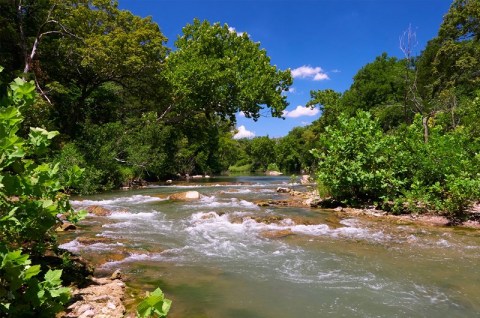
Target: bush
[355, 162]
[31, 198]
[358, 163]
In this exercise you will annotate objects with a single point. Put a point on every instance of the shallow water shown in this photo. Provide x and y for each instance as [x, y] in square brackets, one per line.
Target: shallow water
[214, 257]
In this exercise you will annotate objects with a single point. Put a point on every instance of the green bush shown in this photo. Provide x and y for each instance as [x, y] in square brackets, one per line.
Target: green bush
[22, 294]
[358, 164]
[355, 163]
[273, 167]
[31, 198]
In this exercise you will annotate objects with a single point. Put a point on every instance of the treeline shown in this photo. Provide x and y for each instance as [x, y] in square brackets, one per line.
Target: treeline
[127, 107]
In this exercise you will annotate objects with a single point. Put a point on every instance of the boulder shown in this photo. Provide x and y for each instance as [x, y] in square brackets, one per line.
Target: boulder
[283, 190]
[185, 196]
[98, 210]
[66, 226]
[273, 173]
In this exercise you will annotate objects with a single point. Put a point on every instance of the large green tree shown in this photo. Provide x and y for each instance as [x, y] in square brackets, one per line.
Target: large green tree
[219, 72]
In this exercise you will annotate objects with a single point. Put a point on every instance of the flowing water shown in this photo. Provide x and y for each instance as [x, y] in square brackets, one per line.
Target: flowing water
[220, 257]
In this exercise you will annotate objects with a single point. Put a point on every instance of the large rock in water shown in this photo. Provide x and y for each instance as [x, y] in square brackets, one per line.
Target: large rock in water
[185, 196]
[98, 210]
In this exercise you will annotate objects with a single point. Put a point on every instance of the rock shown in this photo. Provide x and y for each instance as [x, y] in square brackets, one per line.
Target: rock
[66, 226]
[85, 240]
[263, 203]
[273, 173]
[116, 275]
[306, 179]
[169, 182]
[98, 210]
[277, 234]
[283, 190]
[185, 196]
[88, 313]
[103, 298]
[338, 209]
[197, 176]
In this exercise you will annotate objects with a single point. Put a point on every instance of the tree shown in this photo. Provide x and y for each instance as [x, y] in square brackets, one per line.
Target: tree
[262, 152]
[218, 72]
[110, 58]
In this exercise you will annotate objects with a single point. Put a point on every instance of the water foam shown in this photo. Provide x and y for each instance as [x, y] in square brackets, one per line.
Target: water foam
[134, 199]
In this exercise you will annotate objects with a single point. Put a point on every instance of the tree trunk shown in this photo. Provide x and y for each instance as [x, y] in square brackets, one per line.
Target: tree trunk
[425, 128]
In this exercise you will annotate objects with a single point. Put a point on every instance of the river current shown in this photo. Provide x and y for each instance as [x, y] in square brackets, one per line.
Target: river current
[223, 256]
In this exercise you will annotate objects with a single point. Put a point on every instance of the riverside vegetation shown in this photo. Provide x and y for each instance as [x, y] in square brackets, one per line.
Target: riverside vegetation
[404, 136]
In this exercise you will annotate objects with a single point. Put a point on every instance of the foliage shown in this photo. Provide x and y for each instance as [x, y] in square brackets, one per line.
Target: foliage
[154, 305]
[22, 294]
[272, 167]
[82, 173]
[353, 162]
[219, 72]
[244, 168]
[30, 202]
[358, 163]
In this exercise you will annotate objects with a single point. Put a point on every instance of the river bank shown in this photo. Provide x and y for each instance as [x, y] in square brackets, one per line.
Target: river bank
[311, 199]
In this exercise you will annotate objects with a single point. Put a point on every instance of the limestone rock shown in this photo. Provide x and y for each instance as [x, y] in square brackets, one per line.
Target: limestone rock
[66, 226]
[273, 173]
[185, 196]
[103, 298]
[98, 210]
[283, 190]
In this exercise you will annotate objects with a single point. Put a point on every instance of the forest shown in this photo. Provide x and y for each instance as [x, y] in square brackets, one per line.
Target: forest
[114, 107]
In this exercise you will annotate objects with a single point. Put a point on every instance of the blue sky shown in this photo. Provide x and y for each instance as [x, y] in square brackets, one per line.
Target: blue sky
[324, 42]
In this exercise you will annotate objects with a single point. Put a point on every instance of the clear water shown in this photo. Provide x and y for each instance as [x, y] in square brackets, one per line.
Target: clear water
[214, 257]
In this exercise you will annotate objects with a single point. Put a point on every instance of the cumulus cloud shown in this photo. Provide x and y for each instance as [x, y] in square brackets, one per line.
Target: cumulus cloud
[243, 133]
[233, 30]
[310, 72]
[301, 111]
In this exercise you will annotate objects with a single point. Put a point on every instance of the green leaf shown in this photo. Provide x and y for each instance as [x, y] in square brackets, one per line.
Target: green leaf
[31, 271]
[53, 277]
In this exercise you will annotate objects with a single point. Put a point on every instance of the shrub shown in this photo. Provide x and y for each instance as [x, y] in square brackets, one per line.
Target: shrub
[31, 198]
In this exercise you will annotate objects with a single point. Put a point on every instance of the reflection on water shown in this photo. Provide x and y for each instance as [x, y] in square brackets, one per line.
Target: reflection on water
[223, 256]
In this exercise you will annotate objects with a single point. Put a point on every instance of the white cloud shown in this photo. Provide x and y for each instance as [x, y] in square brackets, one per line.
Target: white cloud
[241, 114]
[320, 77]
[233, 30]
[291, 90]
[310, 72]
[301, 111]
[243, 133]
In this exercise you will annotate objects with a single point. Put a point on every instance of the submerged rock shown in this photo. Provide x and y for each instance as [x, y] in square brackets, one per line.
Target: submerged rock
[98, 210]
[276, 233]
[185, 196]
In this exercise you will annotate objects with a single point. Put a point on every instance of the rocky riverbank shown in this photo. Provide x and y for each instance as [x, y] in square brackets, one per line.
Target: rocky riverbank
[312, 199]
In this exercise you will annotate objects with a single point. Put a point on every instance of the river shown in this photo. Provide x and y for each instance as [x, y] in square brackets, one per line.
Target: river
[217, 257]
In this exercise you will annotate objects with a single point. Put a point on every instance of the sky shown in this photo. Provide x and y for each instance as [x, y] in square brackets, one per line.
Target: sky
[323, 42]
